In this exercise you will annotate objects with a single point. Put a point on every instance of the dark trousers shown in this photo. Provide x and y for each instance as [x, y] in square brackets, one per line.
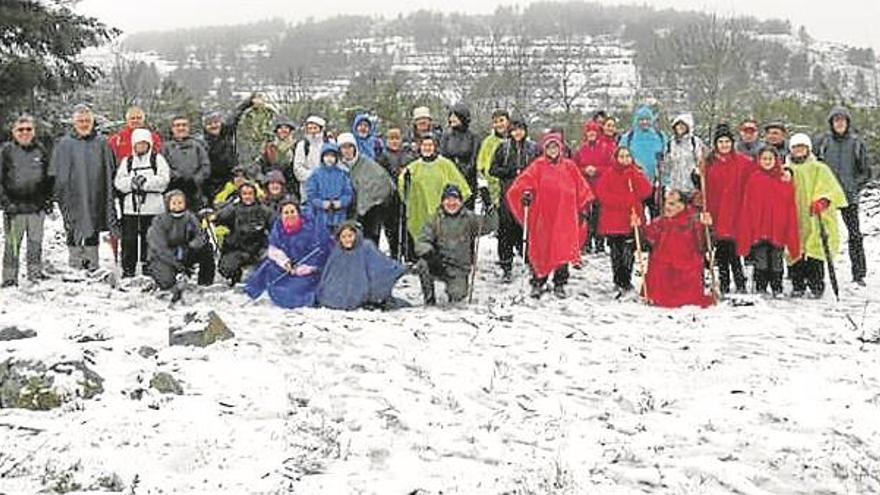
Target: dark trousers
[727, 261]
[134, 231]
[371, 223]
[560, 277]
[510, 237]
[769, 267]
[457, 280]
[165, 274]
[595, 241]
[856, 246]
[233, 262]
[808, 273]
[622, 248]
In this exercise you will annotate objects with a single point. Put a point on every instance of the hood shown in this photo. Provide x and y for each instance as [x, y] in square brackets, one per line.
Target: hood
[840, 111]
[358, 234]
[463, 113]
[643, 112]
[686, 119]
[553, 137]
[348, 138]
[616, 163]
[140, 136]
[362, 117]
[591, 125]
[330, 147]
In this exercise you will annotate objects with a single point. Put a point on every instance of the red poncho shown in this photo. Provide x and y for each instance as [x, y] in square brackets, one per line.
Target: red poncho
[726, 177]
[559, 193]
[768, 213]
[675, 266]
[618, 200]
[597, 154]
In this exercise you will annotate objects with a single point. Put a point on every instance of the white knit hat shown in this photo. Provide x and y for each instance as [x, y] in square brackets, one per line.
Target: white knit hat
[314, 119]
[800, 139]
[346, 138]
[141, 135]
[421, 113]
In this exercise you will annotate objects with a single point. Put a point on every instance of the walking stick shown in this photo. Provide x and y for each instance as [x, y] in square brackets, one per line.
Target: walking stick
[638, 238]
[301, 261]
[476, 253]
[710, 244]
[832, 274]
[525, 249]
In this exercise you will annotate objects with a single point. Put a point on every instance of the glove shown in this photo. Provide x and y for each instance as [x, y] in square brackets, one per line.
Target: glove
[336, 204]
[49, 208]
[137, 182]
[819, 206]
[433, 260]
[526, 198]
[303, 270]
[326, 205]
[485, 197]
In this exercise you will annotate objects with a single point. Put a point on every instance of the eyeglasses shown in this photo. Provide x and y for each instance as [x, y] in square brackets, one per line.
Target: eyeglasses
[25, 129]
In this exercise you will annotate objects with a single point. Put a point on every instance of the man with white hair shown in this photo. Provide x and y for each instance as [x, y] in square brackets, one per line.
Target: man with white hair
[307, 153]
[83, 166]
[25, 196]
[818, 196]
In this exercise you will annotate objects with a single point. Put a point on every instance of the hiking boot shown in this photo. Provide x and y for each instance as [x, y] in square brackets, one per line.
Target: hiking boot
[860, 282]
[9, 283]
[559, 291]
[537, 290]
[507, 277]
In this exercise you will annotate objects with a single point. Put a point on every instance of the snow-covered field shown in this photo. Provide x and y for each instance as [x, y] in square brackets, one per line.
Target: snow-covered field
[582, 395]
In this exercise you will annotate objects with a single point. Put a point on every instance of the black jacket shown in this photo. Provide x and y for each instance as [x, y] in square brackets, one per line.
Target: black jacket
[25, 181]
[248, 227]
[171, 239]
[461, 145]
[511, 159]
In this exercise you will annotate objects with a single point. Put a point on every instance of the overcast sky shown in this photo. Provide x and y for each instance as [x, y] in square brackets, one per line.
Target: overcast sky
[851, 21]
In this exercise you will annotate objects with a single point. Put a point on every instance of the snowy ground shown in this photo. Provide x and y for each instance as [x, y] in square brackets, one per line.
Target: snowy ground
[583, 395]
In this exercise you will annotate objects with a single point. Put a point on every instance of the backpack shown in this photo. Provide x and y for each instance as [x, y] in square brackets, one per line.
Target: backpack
[152, 163]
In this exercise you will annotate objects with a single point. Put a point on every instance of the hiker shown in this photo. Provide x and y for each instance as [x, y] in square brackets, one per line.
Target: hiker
[646, 145]
[768, 222]
[422, 182]
[621, 192]
[846, 153]
[511, 158]
[219, 137]
[83, 167]
[308, 151]
[460, 145]
[817, 194]
[445, 246]
[291, 270]
[775, 135]
[248, 222]
[121, 143]
[748, 142]
[176, 244]
[557, 199]
[357, 274]
[364, 132]
[189, 163]
[26, 187]
[675, 266]
[593, 158]
[329, 191]
[726, 174]
[684, 152]
[394, 159]
[141, 178]
[486, 155]
[372, 187]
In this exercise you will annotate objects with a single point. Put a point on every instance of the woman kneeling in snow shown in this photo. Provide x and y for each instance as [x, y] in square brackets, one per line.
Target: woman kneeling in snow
[357, 273]
[675, 266]
[290, 271]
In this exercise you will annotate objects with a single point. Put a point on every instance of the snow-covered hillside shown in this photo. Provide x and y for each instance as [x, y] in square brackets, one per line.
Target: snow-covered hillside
[582, 395]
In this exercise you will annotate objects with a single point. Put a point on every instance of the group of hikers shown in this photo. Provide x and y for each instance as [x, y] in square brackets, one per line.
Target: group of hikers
[301, 219]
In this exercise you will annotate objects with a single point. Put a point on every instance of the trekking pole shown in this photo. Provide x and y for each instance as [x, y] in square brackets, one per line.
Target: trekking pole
[476, 252]
[301, 261]
[525, 248]
[832, 274]
[137, 211]
[638, 239]
[710, 244]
